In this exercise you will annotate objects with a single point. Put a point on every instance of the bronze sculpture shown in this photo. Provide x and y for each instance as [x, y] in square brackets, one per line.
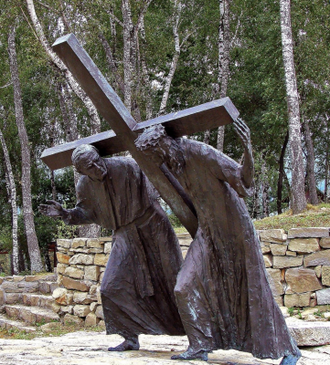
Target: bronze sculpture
[222, 291]
[138, 285]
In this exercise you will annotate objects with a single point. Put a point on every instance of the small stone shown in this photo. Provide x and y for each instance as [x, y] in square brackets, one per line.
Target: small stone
[265, 247]
[73, 272]
[273, 235]
[91, 320]
[290, 253]
[81, 259]
[323, 296]
[281, 262]
[93, 306]
[49, 327]
[308, 232]
[2, 297]
[69, 319]
[13, 298]
[63, 243]
[304, 245]
[301, 280]
[297, 300]
[326, 315]
[268, 260]
[326, 275]
[285, 312]
[78, 242]
[81, 310]
[99, 312]
[74, 284]
[325, 242]
[62, 258]
[101, 324]
[318, 271]
[318, 258]
[67, 309]
[92, 273]
[61, 268]
[107, 247]
[277, 249]
[94, 242]
[101, 259]
[82, 298]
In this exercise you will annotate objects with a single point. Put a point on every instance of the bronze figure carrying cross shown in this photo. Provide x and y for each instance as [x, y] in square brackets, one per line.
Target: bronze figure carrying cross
[125, 129]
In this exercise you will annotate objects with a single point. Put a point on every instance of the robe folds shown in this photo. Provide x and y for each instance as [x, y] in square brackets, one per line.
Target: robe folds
[222, 291]
[137, 288]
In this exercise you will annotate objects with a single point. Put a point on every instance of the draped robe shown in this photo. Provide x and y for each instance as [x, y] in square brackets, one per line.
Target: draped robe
[222, 291]
[137, 289]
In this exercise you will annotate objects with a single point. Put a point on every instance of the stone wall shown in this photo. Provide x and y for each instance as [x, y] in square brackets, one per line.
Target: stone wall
[298, 265]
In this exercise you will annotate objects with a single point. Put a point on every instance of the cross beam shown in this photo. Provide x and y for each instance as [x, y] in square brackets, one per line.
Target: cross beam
[125, 129]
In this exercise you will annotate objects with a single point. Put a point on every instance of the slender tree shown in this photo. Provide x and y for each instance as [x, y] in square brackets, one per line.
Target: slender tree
[13, 202]
[298, 197]
[32, 240]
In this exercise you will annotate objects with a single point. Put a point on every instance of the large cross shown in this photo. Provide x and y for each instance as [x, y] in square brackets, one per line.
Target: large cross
[125, 129]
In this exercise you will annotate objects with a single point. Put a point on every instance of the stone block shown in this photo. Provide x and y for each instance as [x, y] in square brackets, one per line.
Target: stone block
[2, 297]
[78, 242]
[309, 232]
[73, 272]
[1, 280]
[318, 258]
[11, 287]
[62, 296]
[92, 273]
[29, 278]
[310, 333]
[94, 242]
[101, 259]
[44, 287]
[91, 320]
[279, 300]
[99, 312]
[278, 249]
[82, 298]
[325, 242]
[29, 287]
[74, 284]
[61, 268]
[326, 275]
[107, 247]
[67, 309]
[81, 259]
[323, 296]
[275, 281]
[70, 319]
[318, 271]
[297, 300]
[13, 298]
[282, 262]
[301, 280]
[268, 260]
[290, 253]
[93, 306]
[64, 243]
[81, 310]
[62, 258]
[273, 235]
[105, 239]
[304, 245]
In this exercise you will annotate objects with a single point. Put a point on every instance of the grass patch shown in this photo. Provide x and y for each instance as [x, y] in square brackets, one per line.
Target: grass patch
[313, 216]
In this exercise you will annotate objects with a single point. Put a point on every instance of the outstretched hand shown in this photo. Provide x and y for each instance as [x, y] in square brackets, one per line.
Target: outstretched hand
[51, 209]
[243, 132]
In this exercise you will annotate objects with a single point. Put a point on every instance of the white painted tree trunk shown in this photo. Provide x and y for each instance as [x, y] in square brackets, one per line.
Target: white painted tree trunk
[95, 120]
[298, 197]
[32, 240]
[13, 202]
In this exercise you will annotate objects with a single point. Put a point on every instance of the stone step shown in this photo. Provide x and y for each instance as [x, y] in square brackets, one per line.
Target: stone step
[31, 315]
[9, 323]
[47, 287]
[38, 300]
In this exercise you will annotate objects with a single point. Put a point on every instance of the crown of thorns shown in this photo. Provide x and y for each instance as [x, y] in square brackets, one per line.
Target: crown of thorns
[81, 151]
[150, 137]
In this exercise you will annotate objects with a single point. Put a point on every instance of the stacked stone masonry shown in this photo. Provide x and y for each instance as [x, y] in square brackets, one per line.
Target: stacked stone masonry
[298, 265]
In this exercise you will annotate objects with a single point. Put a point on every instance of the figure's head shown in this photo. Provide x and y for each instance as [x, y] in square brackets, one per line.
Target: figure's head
[87, 161]
[158, 146]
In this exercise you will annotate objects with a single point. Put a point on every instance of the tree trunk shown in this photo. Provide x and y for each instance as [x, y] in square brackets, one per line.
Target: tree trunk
[310, 164]
[223, 60]
[13, 202]
[298, 203]
[281, 174]
[326, 177]
[32, 240]
[95, 120]
[265, 187]
[175, 59]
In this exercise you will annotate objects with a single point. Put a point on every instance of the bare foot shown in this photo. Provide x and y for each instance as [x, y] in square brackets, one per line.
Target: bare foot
[191, 354]
[127, 345]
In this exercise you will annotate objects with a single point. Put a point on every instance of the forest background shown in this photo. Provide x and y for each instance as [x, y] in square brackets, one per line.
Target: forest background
[162, 56]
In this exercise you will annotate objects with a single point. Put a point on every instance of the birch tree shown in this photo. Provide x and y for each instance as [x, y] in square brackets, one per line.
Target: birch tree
[32, 240]
[298, 198]
[13, 202]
